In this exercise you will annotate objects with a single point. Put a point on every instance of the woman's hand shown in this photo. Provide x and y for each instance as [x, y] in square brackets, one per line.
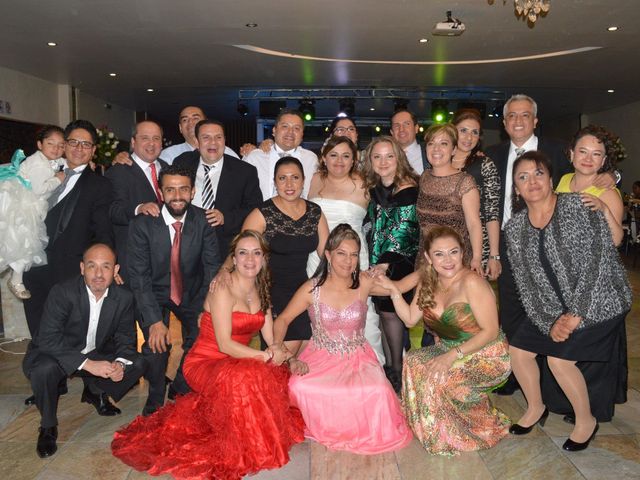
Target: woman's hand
[298, 367]
[438, 367]
[476, 266]
[494, 269]
[386, 283]
[606, 180]
[594, 203]
[221, 280]
[564, 327]
[279, 353]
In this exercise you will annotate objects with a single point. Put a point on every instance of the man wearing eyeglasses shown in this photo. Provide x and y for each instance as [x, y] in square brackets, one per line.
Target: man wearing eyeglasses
[404, 128]
[78, 216]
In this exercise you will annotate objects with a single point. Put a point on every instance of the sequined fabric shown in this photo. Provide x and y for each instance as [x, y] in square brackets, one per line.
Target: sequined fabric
[440, 203]
[337, 331]
[454, 413]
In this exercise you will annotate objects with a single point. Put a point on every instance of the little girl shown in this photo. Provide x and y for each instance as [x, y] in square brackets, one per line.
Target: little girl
[24, 191]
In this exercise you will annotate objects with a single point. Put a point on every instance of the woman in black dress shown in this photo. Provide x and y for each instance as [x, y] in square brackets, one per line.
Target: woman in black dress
[294, 227]
[576, 295]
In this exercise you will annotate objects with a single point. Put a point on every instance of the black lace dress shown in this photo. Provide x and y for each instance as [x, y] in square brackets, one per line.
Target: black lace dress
[291, 241]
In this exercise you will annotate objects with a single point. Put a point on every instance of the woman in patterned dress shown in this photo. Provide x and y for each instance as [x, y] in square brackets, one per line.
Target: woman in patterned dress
[448, 196]
[445, 386]
[392, 233]
[469, 158]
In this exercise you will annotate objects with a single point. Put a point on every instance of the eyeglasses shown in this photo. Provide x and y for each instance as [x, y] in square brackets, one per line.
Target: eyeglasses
[465, 131]
[73, 143]
[341, 130]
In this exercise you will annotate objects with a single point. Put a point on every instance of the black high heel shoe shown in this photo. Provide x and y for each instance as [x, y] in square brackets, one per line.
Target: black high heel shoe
[571, 446]
[516, 429]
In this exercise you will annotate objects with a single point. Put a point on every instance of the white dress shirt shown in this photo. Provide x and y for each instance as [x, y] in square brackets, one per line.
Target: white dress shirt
[169, 221]
[265, 163]
[414, 155]
[214, 174]
[169, 154]
[531, 144]
[95, 307]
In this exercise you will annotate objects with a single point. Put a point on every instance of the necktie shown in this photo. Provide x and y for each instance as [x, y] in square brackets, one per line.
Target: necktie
[207, 192]
[519, 152]
[176, 274]
[154, 179]
[53, 199]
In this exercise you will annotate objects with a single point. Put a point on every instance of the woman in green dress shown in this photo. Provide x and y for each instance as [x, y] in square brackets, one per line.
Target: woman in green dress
[392, 231]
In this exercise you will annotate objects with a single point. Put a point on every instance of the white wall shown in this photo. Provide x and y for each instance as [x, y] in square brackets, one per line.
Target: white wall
[40, 101]
[32, 99]
[118, 119]
[622, 121]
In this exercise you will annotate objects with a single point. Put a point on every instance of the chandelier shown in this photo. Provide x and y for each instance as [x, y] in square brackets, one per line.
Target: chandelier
[531, 9]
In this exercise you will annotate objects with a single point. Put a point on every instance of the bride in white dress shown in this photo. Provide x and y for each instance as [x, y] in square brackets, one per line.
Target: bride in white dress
[340, 192]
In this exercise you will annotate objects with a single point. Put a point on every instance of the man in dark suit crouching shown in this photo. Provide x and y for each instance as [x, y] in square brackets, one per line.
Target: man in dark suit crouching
[88, 330]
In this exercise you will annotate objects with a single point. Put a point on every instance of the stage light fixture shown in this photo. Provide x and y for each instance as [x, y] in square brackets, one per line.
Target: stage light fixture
[243, 109]
[308, 109]
[348, 107]
[439, 111]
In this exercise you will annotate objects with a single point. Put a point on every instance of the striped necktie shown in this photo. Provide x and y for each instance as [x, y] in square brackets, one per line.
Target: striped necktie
[519, 152]
[207, 193]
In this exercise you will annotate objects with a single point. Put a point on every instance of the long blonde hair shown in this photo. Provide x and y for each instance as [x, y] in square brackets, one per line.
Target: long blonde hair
[428, 275]
[404, 173]
[263, 279]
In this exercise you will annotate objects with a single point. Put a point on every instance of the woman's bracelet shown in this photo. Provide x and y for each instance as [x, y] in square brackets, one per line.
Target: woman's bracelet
[395, 296]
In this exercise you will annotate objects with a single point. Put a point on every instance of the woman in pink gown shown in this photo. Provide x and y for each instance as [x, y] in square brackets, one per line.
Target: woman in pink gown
[238, 419]
[346, 400]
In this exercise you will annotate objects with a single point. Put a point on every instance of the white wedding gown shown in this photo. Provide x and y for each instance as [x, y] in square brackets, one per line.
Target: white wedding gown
[343, 211]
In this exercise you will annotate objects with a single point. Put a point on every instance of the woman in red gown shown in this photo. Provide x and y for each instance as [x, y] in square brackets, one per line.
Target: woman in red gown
[238, 420]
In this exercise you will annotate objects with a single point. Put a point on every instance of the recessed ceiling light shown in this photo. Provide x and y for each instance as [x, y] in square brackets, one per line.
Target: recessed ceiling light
[113, 74]
[372, 109]
[423, 40]
[450, 113]
[491, 115]
[52, 44]
[612, 28]
[251, 25]
[149, 89]
[611, 90]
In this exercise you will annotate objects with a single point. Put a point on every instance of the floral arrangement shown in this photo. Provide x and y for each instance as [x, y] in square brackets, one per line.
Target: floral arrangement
[620, 151]
[106, 149]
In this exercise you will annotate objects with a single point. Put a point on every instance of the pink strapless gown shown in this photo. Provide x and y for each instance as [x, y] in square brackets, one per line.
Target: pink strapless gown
[345, 399]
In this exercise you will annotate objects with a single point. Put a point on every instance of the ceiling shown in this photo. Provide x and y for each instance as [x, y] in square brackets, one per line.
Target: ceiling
[187, 51]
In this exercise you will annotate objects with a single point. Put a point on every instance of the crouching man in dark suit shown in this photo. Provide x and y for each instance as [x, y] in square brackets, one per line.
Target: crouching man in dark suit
[88, 330]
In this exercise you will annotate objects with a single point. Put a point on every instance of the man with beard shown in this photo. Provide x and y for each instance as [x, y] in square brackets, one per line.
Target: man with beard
[172, 258]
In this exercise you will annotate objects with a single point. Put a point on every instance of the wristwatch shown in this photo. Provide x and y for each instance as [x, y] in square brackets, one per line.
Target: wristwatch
[459, 353]
[494, 257]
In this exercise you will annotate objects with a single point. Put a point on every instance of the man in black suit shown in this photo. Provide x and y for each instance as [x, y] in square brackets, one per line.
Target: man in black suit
[227, 188]
[136, 190]
[520, 120]
[88, 330]
[172, 258]
[78, 216]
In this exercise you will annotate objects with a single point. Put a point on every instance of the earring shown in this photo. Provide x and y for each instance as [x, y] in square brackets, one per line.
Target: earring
[354, 275]
[328, 267]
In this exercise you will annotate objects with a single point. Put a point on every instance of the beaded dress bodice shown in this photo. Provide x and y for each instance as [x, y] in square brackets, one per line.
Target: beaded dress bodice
[337, 330]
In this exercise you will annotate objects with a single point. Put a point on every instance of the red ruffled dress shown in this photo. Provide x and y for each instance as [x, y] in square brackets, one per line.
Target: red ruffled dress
[237, 421]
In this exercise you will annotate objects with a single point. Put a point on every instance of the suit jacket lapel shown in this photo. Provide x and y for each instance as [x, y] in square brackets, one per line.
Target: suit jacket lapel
[187, 243]
[141, 179]
[70, 202]
[226, 177]
[106, 317]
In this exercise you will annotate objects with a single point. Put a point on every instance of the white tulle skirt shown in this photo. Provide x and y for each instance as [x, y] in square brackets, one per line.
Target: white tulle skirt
[23, 235]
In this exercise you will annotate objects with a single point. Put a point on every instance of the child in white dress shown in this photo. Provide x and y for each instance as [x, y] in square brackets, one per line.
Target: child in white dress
[24, 190]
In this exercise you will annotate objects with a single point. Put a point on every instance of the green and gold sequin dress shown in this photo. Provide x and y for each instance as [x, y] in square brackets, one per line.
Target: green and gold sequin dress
[454, 413]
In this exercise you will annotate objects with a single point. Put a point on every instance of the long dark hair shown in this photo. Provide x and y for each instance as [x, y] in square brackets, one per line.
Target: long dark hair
[339, 234]
[541, 160]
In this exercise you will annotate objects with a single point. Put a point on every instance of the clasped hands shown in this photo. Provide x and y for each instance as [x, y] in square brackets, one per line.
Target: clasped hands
[564, 327]
[105, 369]
[280, 354]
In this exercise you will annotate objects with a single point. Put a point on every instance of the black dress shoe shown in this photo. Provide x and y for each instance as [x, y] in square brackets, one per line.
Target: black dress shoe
[171, 393]
[30, 400]
[571, 446]
[516, 429]
[101, 403]
[569, 418]
[149, 410]
[47, 441]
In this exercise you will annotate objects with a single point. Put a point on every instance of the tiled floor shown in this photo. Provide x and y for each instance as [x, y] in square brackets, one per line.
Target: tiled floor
[84, 440]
